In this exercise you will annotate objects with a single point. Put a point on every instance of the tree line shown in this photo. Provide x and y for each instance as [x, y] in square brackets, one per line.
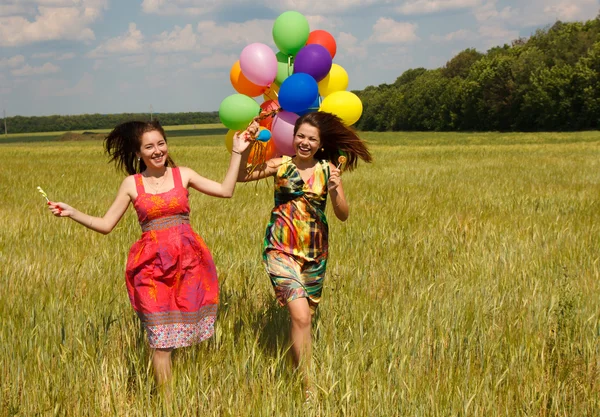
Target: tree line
[58, 123]
[549, 82]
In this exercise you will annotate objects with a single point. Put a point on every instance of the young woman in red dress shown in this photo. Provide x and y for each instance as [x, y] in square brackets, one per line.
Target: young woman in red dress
[171, 278]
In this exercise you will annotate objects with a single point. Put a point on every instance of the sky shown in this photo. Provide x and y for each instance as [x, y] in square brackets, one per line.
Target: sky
[115, 56]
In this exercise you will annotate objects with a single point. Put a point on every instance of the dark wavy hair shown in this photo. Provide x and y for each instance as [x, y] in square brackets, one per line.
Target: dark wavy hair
[336, 139]
[125, 140]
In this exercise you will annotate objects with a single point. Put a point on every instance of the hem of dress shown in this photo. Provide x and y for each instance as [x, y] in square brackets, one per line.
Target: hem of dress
[182, 345]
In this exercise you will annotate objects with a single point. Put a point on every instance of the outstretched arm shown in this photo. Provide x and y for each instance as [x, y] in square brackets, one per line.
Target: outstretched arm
[224, 189]
[336, 193]
[264, 170]
[103, 224]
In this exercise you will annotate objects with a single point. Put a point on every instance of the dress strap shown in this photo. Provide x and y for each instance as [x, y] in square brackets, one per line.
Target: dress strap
[177, 183]
[139, 184]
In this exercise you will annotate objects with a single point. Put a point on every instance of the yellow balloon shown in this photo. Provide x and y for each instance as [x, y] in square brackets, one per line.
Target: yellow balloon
[229, 140]
[336, 80]
[344, 104]
[272, 93]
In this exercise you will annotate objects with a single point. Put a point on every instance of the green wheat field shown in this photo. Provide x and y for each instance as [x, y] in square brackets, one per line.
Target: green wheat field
[465, 283]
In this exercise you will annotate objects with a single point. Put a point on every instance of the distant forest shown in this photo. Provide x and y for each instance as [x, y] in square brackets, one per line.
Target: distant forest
[548, 82]
[22, 124]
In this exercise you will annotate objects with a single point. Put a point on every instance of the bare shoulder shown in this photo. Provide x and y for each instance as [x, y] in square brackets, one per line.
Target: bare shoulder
[186, 174]
[128, 186]
[128, 182]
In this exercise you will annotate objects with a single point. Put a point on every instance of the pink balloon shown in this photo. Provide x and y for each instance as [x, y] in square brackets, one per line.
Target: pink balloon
[258, 64]
[282, 132]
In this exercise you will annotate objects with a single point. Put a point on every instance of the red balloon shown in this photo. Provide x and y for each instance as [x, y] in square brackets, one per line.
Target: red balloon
[268, 106]
[323, 38]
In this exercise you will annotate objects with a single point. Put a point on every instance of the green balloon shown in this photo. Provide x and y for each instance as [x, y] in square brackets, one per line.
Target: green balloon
[283, 69]
[237, 111]
[290, 32]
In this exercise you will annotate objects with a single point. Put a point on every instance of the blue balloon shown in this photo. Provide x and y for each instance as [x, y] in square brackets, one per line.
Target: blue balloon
[264, 135]
[313, 107]
[298, 92]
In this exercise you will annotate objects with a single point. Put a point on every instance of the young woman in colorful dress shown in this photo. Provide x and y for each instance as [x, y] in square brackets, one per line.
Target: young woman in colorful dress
[295, 246]
[170, 275]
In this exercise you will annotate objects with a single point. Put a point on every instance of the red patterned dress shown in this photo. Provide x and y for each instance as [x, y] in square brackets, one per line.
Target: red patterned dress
[171, 277]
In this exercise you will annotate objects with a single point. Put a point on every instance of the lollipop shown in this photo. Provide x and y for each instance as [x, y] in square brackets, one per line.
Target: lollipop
[43, 193]
[341, 160]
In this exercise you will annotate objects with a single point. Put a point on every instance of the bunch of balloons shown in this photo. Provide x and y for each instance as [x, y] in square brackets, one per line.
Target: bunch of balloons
[301, 77]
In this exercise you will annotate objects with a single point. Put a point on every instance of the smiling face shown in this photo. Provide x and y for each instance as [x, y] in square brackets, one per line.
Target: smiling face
[306, 141]
[153, 149]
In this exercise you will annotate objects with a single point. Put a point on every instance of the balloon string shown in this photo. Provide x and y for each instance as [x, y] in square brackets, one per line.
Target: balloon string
[257, 148]
[289, 65]
[271, 97]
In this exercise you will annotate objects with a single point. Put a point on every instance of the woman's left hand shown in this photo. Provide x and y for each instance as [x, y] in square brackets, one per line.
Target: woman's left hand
[335, 178]
[241, 140]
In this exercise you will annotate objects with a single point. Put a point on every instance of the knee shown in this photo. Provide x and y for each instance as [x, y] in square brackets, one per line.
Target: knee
[302, 318]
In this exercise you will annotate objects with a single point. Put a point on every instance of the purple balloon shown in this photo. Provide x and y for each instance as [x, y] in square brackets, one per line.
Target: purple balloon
[314, 60]
[282, 132]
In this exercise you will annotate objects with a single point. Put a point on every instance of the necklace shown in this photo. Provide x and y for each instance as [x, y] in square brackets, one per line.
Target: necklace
[157, 185]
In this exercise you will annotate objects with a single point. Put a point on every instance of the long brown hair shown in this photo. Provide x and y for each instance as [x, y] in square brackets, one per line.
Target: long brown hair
[125, 140]
[336, 139]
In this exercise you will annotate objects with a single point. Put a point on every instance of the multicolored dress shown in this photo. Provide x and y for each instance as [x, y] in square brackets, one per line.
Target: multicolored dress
[295, 246]
[171, 277]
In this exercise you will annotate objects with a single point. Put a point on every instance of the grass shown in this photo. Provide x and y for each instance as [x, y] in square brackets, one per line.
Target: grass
[465, 283]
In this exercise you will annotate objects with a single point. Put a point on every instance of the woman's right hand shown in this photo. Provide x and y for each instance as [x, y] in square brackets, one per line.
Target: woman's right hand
[60, 209]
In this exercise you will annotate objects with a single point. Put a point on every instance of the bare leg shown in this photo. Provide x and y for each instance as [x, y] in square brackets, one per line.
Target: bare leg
[301, 316]
[161, 362]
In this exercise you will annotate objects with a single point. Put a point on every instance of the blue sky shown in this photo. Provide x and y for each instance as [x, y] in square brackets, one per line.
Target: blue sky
[109, 56]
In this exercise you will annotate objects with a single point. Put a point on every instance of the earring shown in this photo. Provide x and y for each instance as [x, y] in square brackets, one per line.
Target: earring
[322, 149]
[138, 159]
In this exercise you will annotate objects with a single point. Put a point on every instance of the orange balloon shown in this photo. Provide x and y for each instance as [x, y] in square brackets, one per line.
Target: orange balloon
[323, 38]
[261, 151]
[241, 84]
[268, 106]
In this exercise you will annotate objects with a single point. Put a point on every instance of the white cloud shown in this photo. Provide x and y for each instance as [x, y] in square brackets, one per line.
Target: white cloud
[233, 35]
[571, 10]
[16, 9]
[28, 70]
[135, 61]
[498, 32]
[459, 35]
[54, 55]
[388, 31]
[129, 43]
[180, 39]
[200, 7]
[348, 46]
[216, 61]
[489, 12]
[170, 61]
[434, 6]
[12, 62]
[54, 20]
[85, 86]
[537, 12]
[324, 6]
[181, 7]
